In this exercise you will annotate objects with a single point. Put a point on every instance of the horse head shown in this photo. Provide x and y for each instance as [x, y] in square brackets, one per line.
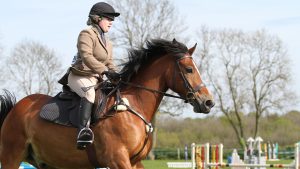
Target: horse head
[187, 81]
[163, 65]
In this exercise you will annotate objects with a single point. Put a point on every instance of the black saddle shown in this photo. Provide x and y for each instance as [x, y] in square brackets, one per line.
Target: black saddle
[62, 108]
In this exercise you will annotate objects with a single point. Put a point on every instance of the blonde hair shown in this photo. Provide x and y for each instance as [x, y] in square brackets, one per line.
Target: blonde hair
[93, 19]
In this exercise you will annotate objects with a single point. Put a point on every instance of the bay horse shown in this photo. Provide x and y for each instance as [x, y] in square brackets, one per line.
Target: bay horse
[120, 141]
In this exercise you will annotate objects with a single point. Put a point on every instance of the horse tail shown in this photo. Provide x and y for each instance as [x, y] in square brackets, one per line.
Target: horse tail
[7, 102]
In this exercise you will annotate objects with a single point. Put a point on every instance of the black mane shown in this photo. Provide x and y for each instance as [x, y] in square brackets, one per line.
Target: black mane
[137, 58]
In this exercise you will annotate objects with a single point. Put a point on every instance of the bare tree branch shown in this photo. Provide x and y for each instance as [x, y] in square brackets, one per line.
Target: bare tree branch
[269, 72]
[34, 68]
[2, 81]
[141, 20]
[249, 72]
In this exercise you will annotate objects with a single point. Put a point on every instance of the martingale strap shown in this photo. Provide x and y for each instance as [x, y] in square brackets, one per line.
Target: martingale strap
[148, 132]
[92, 156]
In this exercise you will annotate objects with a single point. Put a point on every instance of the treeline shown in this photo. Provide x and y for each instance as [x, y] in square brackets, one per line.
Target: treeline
[176, 132]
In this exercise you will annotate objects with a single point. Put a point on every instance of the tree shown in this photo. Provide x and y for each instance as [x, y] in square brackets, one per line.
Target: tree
[245, 69]
[33, 68]
[269, 73]
[2, 79]
[141, 20]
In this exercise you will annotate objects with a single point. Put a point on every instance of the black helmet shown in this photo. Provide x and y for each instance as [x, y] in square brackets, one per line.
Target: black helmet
[104, 9]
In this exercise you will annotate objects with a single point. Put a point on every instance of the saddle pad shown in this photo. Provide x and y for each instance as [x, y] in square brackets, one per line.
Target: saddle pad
[61, 111]
[64, 110]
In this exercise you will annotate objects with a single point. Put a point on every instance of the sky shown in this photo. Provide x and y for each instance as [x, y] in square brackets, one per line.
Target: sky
[56, 23]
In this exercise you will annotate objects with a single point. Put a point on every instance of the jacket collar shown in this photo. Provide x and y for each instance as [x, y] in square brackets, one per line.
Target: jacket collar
[95, 29]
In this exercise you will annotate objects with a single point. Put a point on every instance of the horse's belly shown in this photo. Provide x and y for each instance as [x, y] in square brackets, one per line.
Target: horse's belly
[56, 146]
[59, 159]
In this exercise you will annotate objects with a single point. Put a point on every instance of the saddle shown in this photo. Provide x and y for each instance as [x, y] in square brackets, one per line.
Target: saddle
[62, 109]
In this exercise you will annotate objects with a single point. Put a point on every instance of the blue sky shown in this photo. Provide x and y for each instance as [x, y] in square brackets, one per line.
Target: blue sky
[56, 23]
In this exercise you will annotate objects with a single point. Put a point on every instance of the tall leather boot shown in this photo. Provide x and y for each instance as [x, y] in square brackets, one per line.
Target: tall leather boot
[85, 135]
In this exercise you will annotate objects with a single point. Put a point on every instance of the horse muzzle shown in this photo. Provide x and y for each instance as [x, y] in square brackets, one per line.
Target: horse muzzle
[202, 104]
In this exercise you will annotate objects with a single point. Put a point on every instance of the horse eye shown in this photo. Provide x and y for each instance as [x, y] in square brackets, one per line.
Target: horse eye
[189, 69]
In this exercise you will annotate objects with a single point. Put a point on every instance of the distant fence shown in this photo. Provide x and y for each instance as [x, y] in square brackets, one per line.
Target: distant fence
[178, 153]
[170, 153]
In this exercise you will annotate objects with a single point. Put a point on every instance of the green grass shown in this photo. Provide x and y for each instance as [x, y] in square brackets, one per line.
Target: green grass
[280, 162]
[158, 164]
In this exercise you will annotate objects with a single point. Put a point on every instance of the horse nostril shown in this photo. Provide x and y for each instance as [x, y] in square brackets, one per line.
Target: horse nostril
[209, 103]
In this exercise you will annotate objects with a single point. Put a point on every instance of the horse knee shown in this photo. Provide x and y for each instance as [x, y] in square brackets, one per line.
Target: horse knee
[138, 165]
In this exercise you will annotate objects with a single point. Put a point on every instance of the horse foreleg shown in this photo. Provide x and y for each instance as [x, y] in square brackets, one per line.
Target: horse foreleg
[123, 164]
[12, 150]
[118, 159]
[12, 157]
[138, 165]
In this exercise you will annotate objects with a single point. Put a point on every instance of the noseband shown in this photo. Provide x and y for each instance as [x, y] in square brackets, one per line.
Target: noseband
[191, 94]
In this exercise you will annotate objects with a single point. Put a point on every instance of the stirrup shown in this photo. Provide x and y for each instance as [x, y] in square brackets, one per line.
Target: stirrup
[85, 137]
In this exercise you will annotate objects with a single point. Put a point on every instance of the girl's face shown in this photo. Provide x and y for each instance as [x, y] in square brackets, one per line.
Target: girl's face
[105, 24]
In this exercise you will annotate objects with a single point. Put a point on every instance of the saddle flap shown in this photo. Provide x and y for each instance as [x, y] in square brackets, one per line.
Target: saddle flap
[61, 111]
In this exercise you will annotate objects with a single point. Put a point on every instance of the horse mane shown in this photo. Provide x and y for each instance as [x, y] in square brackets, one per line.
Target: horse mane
[154, 49]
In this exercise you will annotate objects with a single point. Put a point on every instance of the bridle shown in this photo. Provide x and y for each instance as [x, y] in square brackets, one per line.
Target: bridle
[190, 95]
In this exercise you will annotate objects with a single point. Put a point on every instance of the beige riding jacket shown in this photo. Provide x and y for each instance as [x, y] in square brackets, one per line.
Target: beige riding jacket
[93, 56]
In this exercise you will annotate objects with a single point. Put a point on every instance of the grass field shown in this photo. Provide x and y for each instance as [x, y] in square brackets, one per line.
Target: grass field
[157, 164]
[162, 164]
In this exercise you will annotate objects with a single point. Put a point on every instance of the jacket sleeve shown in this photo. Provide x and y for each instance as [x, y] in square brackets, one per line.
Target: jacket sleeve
[85, 47]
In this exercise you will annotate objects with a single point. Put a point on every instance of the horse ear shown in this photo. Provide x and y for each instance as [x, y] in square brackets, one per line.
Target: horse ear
[174, 41]
[191, 50]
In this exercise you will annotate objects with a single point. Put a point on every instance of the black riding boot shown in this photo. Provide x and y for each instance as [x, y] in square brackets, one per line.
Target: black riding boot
[85, 135]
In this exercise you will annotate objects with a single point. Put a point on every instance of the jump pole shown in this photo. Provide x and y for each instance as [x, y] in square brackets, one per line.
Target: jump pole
[205, 163]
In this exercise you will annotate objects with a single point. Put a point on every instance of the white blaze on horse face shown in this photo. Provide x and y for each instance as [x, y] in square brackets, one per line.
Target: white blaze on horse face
[203, 87]
[196, 69]
[194, 64]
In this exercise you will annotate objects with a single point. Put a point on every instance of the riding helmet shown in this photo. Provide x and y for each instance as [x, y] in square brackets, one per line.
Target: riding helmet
[104, 9]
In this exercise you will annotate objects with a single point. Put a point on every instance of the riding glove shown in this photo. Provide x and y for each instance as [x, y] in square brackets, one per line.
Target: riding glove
[113, 76]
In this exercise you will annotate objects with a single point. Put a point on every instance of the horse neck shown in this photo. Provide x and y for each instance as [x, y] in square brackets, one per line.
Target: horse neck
[152, 77]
